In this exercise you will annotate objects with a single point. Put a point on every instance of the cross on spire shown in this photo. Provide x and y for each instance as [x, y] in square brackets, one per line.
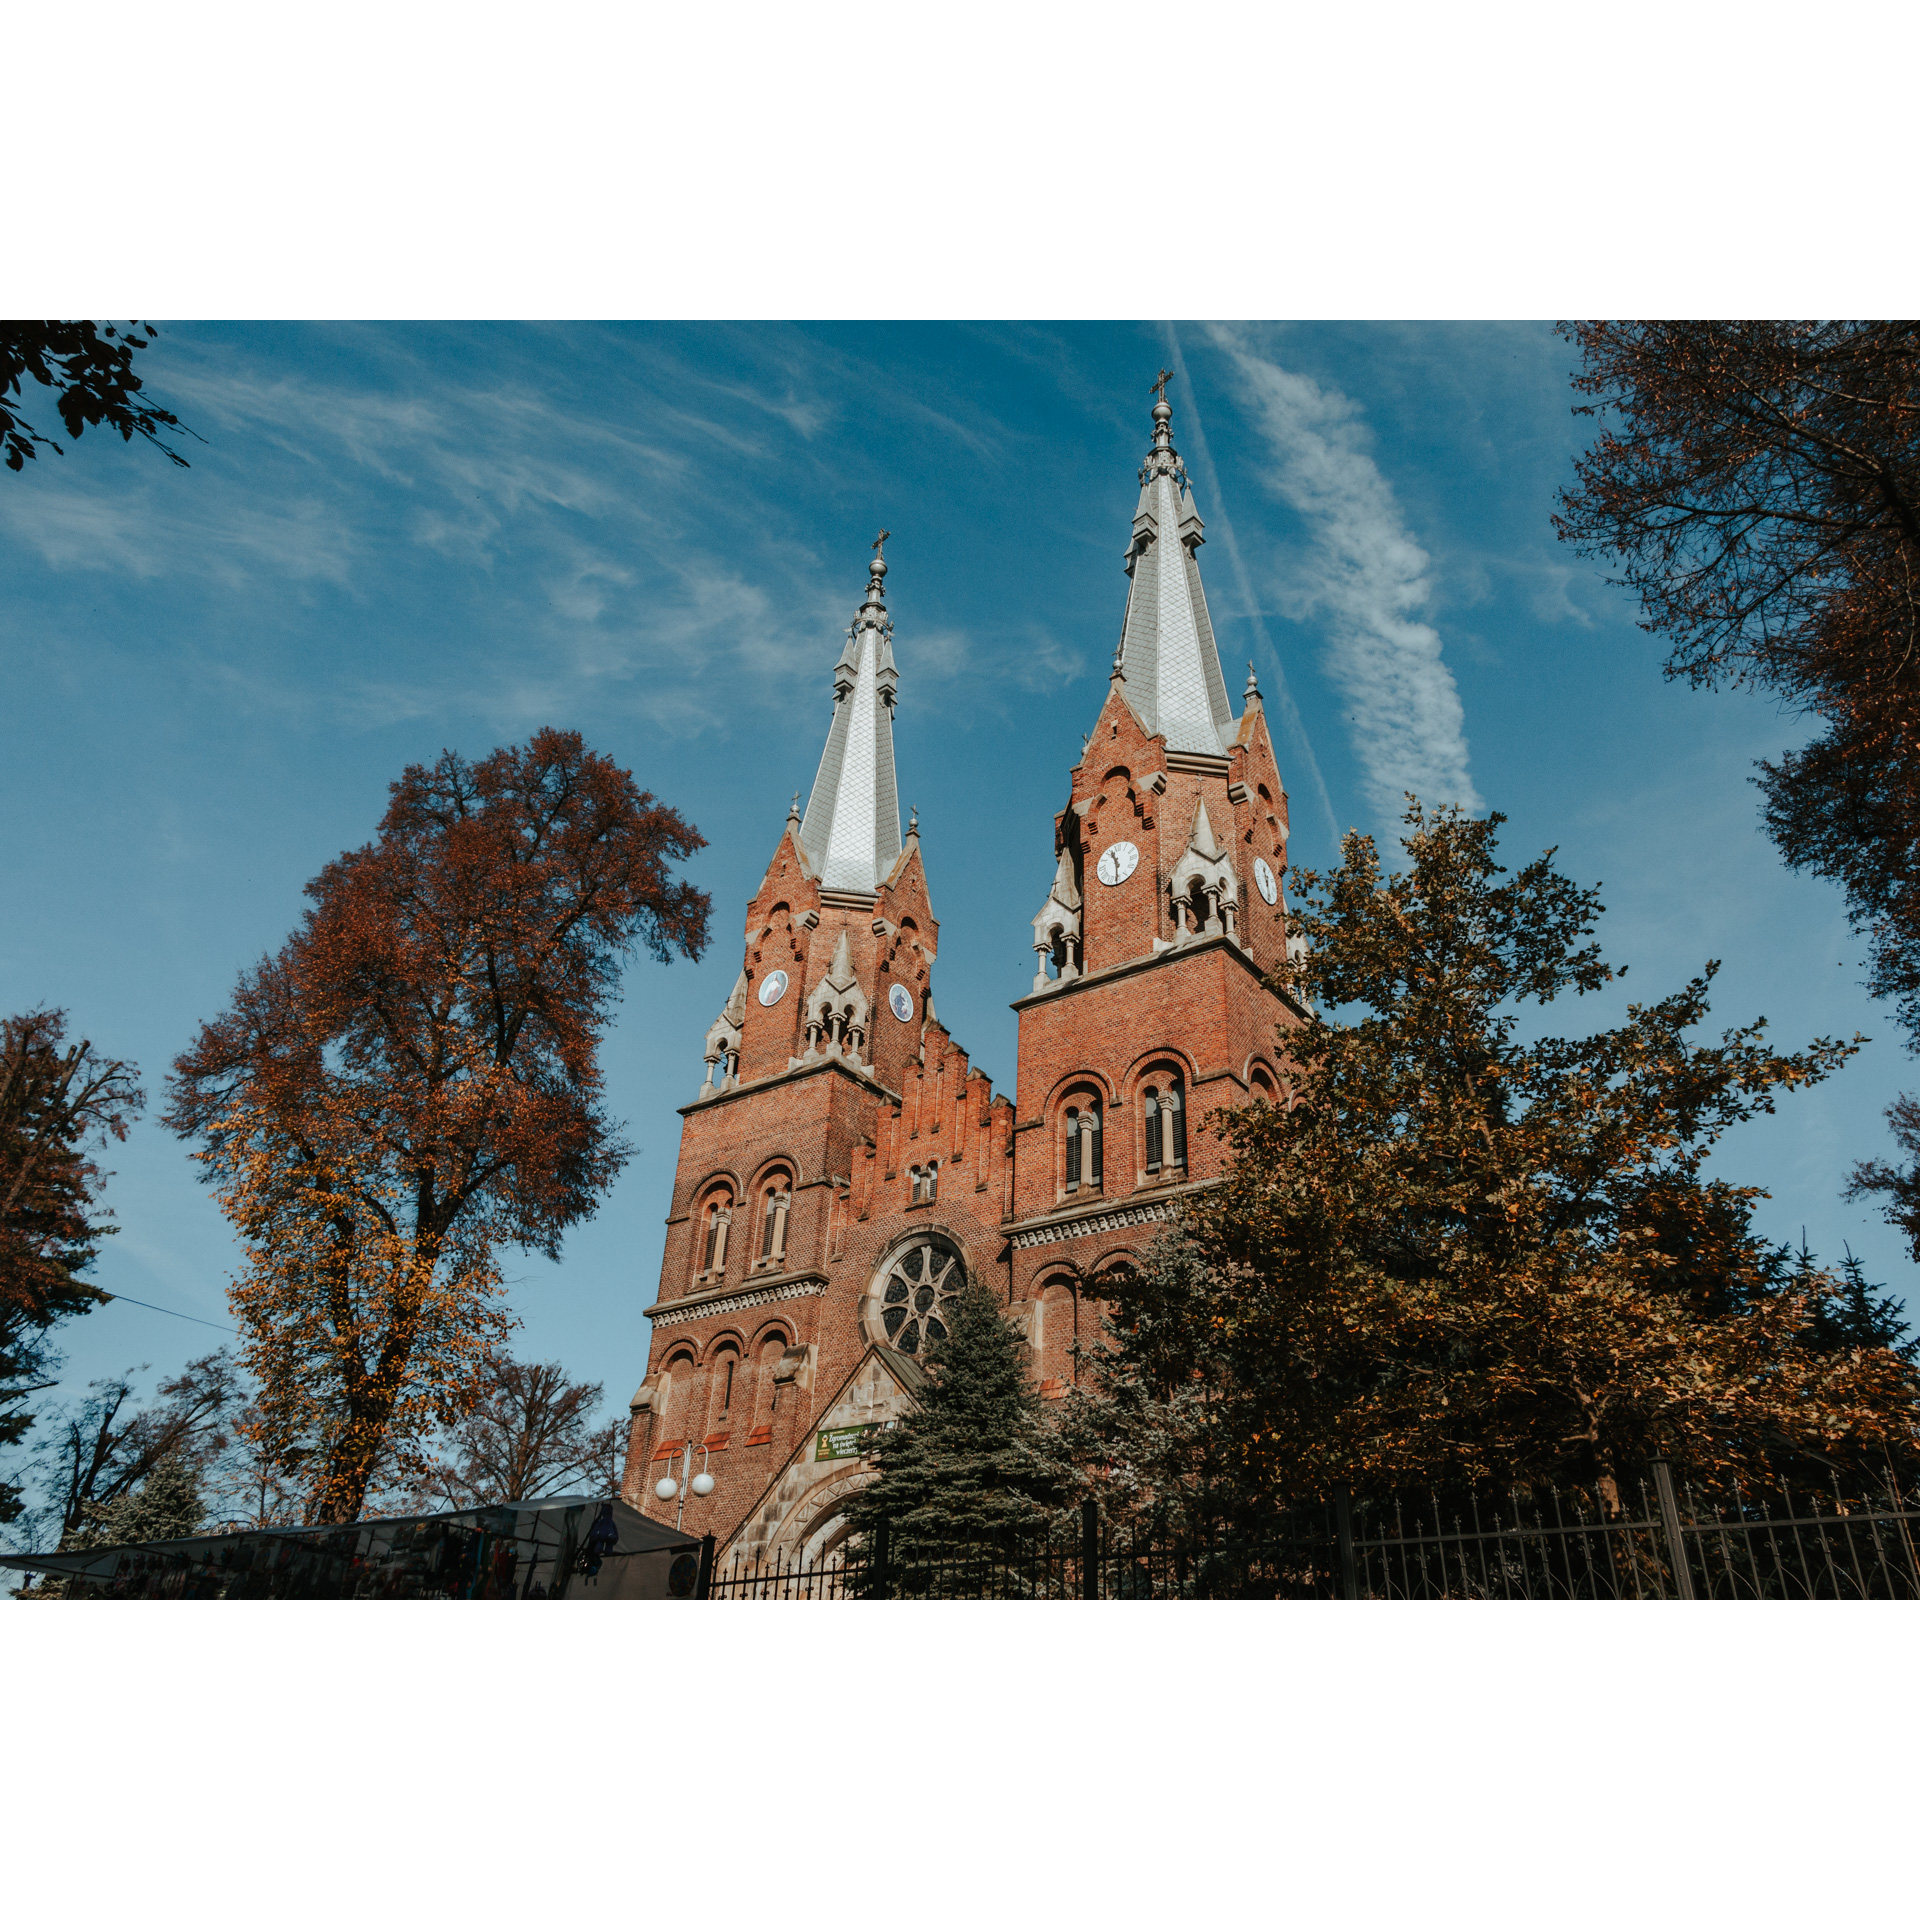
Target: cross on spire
[1159, 387]
[880, 545]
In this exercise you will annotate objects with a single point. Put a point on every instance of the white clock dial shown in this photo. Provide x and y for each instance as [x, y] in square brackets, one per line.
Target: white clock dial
[772, 987]
[901, 1001]
[1263, 879]
[1117, 862]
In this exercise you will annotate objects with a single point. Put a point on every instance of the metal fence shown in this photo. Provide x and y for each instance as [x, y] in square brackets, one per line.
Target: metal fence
[1665, 1543]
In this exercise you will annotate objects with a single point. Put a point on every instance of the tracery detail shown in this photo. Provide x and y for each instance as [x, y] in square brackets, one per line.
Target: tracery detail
[913, 1297]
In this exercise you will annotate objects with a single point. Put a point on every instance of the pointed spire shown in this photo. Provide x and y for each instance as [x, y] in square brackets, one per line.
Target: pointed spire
[840, 971]
[1167, 653]
[852, 827]
[1252, 695]
[1202, 841]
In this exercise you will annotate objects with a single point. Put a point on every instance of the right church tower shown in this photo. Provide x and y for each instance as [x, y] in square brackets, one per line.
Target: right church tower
[1150, 1009]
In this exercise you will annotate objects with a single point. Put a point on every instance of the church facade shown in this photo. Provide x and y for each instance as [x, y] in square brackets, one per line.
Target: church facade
[844, 1170]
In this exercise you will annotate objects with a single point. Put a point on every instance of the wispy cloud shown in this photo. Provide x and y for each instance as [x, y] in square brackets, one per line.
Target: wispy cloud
[1366, 579]
[1301, 745]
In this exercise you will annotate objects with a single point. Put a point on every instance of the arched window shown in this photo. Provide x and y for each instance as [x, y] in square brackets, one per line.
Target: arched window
[773, 1350]
[930, 1181]
[773, 1230]
[723, 1364]
[1262, 1083]
[1059, 1329]
[716, 1223]
[1166, 1115]
[1084, 1156]
[674, 1411]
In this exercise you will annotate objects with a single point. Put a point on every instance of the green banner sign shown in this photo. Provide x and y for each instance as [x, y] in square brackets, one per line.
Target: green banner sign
[843, 1443]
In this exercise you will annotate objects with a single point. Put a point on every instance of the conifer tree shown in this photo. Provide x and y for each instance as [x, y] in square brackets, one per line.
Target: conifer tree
[1860, 1313]
[168, 1506]
[979, 1459]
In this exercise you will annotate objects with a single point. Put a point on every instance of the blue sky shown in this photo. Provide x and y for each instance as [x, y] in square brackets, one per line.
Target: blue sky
[400, 538]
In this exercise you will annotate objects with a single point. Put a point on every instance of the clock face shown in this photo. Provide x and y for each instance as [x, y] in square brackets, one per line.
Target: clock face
[1263, 879]
[901, 1001]
[772, 987]
[1117, 862]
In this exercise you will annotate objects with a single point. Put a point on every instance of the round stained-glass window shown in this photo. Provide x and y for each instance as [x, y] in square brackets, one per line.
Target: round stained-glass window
[912, 1300]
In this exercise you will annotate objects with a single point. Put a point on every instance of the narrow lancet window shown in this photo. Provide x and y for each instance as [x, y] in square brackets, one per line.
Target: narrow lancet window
[719, 1220]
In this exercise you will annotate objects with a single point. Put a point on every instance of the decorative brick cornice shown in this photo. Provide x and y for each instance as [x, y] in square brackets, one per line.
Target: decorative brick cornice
[858, 1072]
[802, 1287]
[1140, 1213]
[1167, 956]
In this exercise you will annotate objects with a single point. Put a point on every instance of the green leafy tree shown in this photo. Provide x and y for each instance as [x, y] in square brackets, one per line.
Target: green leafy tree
[90, 368]
[1457, 1257]
[979, 1459]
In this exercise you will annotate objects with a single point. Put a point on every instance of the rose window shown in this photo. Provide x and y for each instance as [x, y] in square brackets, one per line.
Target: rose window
[916, 1295]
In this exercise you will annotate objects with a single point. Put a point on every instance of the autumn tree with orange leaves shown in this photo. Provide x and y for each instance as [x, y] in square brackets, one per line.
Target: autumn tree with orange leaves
[1758, 481]
[412, 1083]
[1459, 1257]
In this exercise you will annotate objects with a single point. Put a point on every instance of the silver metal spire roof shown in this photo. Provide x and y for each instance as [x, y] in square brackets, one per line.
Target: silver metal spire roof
[1167, 651]
[852, 827]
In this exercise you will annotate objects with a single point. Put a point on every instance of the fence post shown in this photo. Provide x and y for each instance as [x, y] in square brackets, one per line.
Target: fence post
[1089, 1549]
[1670, 1525]
[881, 1585]
[703, 1585]
[1349, 1563]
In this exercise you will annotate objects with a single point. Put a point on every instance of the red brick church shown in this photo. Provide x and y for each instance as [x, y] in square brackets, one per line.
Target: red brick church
[844, 1170]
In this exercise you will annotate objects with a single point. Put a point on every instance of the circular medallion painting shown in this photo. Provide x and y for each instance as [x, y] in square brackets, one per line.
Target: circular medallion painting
[772, 987]
[901, 1001]
[1263, 879]
[1117, 863]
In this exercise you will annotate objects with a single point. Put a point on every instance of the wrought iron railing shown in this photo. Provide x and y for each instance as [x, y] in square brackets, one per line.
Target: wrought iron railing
[1662, 1543]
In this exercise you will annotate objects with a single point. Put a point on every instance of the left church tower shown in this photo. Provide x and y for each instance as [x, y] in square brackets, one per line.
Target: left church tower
[840, 1150]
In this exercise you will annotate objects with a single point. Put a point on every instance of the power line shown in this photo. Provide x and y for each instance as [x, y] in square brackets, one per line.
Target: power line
[219, 1326]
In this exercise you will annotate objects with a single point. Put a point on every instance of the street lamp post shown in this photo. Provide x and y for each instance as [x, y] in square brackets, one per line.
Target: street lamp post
[701, 1483]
